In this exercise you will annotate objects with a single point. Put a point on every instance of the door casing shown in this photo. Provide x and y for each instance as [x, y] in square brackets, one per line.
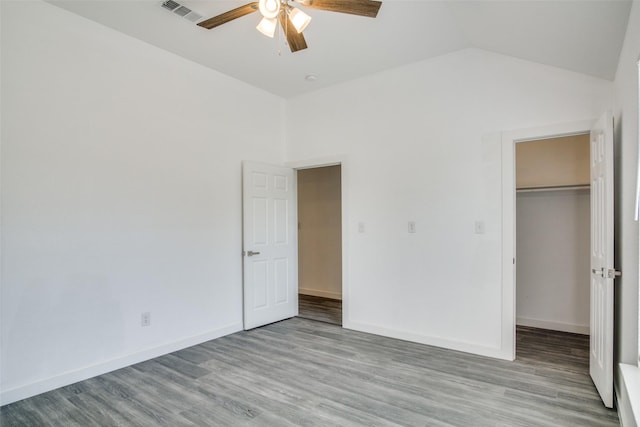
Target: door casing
[333, 161]
[509, 258]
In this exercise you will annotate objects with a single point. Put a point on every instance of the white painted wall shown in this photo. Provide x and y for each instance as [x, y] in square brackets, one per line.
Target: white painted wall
[120, 195]
[423, 144]
[552, 278]
[626, 153]
[553, 162]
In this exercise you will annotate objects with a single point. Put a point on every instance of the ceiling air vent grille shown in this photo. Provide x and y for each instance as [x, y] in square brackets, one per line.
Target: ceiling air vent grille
[170, 5]
[181, 10]
[193, 16]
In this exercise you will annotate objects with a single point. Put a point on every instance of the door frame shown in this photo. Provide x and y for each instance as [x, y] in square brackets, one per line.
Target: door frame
[340, 160]
[509, 140]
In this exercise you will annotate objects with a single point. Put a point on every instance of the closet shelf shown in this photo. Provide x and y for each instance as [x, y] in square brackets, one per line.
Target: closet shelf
[553, 188]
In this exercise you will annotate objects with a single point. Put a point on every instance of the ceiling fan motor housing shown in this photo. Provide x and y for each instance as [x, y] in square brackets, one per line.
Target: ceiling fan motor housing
[269, 8]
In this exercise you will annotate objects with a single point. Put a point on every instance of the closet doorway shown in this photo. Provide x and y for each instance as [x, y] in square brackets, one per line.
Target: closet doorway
[320, 244]
[553, 234]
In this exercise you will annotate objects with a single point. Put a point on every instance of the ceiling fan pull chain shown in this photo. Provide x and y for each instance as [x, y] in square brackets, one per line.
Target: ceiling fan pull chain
[286, 25]
[278, 37]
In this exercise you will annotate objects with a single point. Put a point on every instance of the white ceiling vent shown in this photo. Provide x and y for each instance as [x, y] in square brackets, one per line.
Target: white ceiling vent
[181, 10]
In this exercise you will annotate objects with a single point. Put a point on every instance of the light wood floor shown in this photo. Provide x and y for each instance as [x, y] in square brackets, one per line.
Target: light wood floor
[319, 308]
[303, 372]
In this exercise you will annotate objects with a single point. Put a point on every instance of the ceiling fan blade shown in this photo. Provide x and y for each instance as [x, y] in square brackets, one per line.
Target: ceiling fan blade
[295, 39]
[229, 16]
[354, 7]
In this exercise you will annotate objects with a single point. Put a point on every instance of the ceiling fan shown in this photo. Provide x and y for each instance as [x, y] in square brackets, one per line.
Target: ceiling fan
[292, 19]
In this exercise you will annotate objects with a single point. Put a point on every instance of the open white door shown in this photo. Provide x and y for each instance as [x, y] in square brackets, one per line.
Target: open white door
[269, 244]
[602, 269]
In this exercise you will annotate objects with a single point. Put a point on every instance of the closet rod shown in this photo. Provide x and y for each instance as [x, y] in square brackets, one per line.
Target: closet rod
[553, 188]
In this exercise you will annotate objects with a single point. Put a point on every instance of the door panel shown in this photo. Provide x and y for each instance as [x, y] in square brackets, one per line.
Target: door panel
[602, 279]
[269, 244]
[260, 281]
[259, 221]
[281, 280]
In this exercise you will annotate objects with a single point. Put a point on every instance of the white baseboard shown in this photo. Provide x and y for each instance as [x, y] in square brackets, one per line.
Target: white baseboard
[495, 352]
[628, 396]
[70, 377]
[554, 326]
[317, 293]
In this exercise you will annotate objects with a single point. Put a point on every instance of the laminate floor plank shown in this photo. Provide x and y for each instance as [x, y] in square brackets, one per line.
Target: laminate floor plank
[317, 382]
[308, 381]
[301, 372]
[364, 374]
[290, 405]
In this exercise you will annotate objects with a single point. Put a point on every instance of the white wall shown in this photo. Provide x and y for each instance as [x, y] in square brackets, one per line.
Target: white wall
[626, 152]
[553, 229]
[423, 144]
[120, 195]
[553, 162]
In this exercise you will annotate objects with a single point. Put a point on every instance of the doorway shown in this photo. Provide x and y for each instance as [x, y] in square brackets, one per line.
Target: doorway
[508, 141]
[553, 234]
[320, 243]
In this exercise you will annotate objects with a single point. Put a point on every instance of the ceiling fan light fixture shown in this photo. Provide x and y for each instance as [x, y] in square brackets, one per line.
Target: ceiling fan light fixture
[267, 26]
[269, 8]
[299, 19]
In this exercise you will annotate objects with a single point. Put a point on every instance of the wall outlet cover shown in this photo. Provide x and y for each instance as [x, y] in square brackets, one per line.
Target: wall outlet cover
[145, 319]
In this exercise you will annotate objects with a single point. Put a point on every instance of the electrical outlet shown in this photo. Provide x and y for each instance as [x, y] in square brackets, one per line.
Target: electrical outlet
[412, 227]
[479, 226]
[145, 319]
[361, 227]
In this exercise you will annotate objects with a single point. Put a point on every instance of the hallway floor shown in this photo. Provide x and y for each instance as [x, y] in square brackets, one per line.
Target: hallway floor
[320, 309]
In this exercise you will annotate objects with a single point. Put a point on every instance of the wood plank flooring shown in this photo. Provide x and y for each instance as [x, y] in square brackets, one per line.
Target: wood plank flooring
[301, 372]
[319, 308]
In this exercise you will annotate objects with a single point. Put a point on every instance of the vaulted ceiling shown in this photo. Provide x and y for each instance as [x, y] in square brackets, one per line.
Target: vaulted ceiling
[584, 36]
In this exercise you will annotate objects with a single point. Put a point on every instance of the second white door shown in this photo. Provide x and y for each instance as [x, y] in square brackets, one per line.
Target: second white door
[602, 269]
[269, 244]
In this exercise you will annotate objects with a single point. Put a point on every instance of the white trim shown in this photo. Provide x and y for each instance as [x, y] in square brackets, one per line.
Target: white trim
[317, 163]
[637, 207]
[509, 139]
[344, 179]
[495, 352]
[319, 293]
[554, 326]
[628, 396]
[70, 377]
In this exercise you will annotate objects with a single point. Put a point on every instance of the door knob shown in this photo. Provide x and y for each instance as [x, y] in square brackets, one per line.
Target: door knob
[252, 253]
[607, 273]
[612, 274]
